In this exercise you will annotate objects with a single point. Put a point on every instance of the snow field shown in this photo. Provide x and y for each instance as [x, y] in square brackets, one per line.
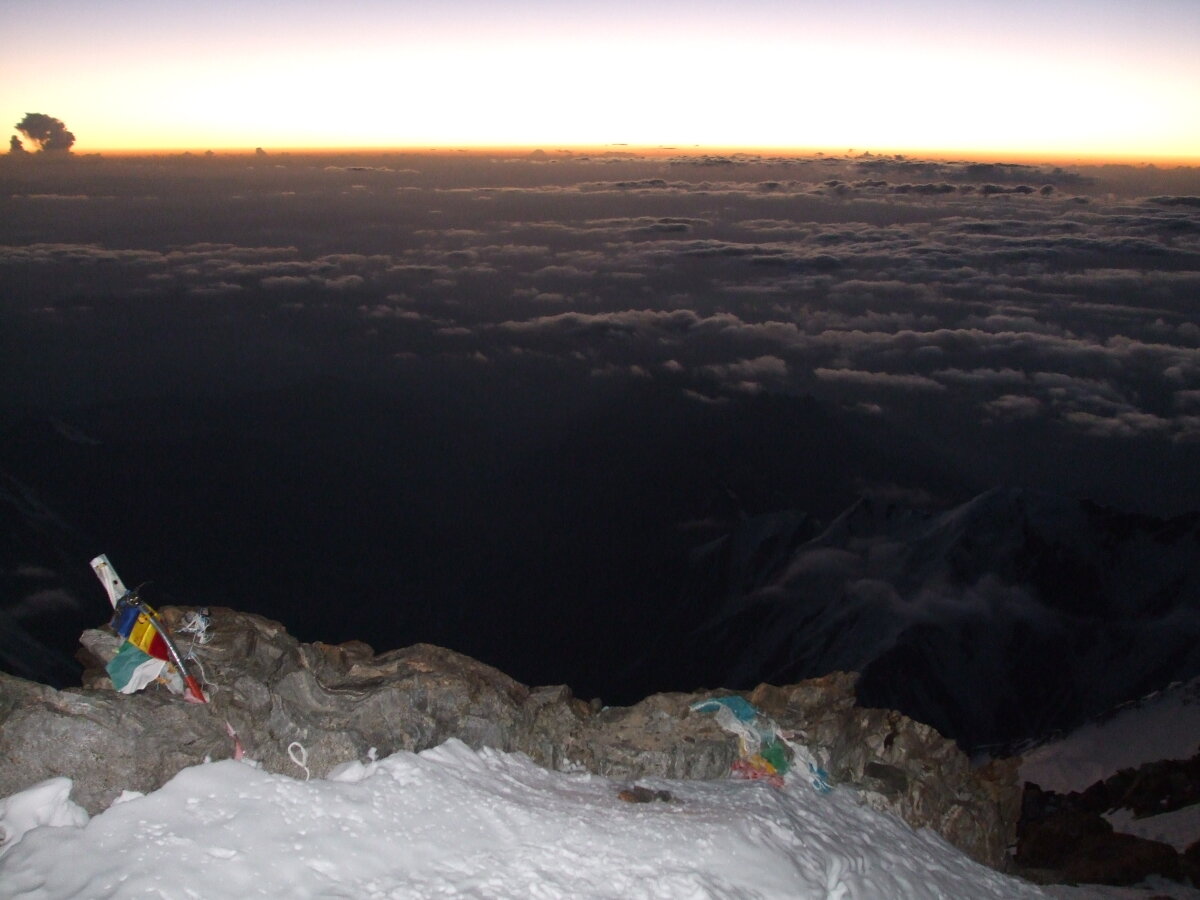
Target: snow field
[1162, 726]
[455, 822]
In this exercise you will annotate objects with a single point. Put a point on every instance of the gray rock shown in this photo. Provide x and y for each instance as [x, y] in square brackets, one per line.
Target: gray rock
[899, 765]
[100, 739]
[658, 736]
[341, 702]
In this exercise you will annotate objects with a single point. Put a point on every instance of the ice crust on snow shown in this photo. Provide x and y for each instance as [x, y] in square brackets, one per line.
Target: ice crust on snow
[453, 821]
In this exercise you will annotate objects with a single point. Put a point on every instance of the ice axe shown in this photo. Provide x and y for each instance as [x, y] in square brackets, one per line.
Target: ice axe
[124, 600]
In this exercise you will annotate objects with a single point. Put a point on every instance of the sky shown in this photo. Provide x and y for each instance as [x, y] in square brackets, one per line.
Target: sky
[453, 822]
[1062, 79]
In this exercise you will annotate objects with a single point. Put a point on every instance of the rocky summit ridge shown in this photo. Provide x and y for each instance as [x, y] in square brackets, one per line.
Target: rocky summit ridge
[345, 702]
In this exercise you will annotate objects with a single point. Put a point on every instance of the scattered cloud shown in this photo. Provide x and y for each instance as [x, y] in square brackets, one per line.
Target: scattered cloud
[879, 380]
[1012, 406]
[878, 284]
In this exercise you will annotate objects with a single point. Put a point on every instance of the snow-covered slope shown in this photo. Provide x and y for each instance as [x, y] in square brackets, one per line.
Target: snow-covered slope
[1162, 725]
[456, 822]
[1011, 616]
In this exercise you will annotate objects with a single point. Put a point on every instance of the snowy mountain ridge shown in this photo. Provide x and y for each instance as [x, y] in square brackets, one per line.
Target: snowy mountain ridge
[1161, 725]
[1011, 616]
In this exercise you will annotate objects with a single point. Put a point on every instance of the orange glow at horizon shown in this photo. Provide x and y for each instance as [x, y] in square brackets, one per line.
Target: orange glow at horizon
[565, 150]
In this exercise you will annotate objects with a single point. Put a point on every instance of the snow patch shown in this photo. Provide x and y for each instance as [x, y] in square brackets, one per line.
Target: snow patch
[1165, 725]
[453, 821]
[1180, 828]
[48, 803]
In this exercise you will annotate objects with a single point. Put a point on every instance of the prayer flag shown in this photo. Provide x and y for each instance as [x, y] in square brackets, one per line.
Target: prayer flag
[132, 668]
[143, 656]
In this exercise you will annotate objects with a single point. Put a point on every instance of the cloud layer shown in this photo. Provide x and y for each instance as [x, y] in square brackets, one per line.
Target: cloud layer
[972, 303]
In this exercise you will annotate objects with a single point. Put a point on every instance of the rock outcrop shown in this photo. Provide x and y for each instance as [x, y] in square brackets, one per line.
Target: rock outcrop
[899, 765]
[1076, 846]
[1065, 837]
[343, 702]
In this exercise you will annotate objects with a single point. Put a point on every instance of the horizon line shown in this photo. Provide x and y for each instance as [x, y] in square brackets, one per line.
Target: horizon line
[566, 150]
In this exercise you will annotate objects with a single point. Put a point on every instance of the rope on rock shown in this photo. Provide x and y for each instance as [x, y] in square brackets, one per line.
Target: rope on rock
[299, 756]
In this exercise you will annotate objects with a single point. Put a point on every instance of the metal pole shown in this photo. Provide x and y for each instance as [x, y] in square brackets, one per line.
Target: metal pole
[188, 678]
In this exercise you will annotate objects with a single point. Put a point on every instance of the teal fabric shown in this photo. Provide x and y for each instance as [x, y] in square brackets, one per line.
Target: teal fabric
[739, 706]
[122, 668]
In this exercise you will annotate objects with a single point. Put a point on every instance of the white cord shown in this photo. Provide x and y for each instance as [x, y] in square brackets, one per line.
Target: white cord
[194, 658]
[299, 756]
[196, 623]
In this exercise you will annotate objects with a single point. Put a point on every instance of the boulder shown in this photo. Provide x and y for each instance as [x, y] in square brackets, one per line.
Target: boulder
[1121, 859]
[1063, 837]
[1189, 860]
[1157, 787]
[104, 742]
[659, 736]
[1051, 842]
[344, 702]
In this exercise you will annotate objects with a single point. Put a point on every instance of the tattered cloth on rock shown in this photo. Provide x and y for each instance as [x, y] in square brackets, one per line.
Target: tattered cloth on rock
[143, 656]
[766, 753]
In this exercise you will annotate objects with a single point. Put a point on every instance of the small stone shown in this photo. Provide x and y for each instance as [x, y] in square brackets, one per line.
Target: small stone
[639, 794]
